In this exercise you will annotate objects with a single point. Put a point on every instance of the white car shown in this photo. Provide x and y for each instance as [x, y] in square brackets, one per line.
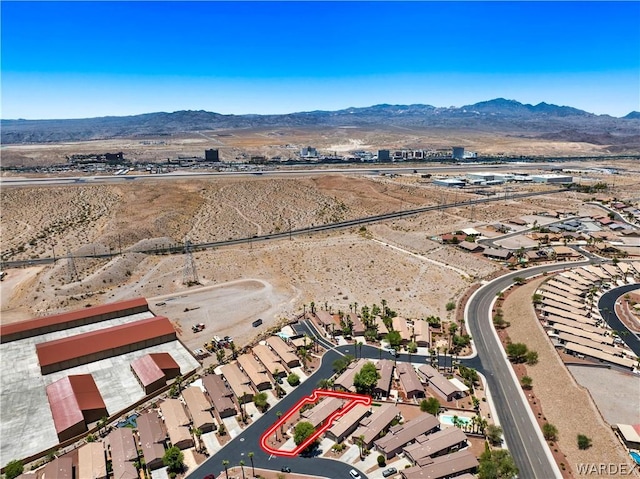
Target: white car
[355, 474]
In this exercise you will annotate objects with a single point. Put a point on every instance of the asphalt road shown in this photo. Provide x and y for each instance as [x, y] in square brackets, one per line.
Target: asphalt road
[248, 441]
[606, 305]
[287, 171]
[520, 431]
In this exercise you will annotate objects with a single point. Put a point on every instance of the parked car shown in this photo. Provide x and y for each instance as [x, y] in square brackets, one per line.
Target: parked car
[355, 474]
[389, 472]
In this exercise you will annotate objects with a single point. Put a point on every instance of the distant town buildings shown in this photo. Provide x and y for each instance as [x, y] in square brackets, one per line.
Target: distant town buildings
[458, 153]
[308, 152]
[211, 155]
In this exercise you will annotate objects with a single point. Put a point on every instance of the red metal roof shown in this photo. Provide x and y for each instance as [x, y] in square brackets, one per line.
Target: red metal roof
[151, 367]
[165, 361]
[71, 395]
[71, 316]
[85, 344]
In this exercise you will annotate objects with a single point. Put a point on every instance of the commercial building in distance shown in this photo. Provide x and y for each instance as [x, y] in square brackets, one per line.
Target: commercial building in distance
[552, 178]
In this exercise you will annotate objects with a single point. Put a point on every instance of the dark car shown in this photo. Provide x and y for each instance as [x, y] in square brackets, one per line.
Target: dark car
[389, 472]
[285, 469]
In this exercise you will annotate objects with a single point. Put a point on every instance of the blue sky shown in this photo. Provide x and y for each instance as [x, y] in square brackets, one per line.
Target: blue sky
[84, 59]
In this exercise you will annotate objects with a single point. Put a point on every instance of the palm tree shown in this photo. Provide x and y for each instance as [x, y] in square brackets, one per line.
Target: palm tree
[225, 464]
[197, 433]
[242, 467]
[253, 470]
[361, 445]
[279, 415]
[313, 310]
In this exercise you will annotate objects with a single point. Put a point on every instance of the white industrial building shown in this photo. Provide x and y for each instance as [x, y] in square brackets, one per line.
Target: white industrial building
[552, 178]
[449, 182]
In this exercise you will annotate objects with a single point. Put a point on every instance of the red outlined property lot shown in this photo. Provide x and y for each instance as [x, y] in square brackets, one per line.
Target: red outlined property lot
[351, 401]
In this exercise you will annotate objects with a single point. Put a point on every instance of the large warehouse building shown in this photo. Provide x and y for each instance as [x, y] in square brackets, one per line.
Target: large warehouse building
[72, 319]
[105, 343]
[153, 370]
[75, 401]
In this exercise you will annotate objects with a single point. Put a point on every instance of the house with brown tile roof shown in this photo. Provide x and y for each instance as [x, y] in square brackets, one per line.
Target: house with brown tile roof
[358, 325]
[436, 444]
[403, 434]
[177, 422]
[421, 333]
[92, 463]
[400, 325]
[441, 467]
[385, 369]
[238, 382]
[255, 370]
[439, 384]
[325, 319]
[319, 413]
[152, 434]
[270, 360]
[371, 427]
[286, 353]
[382, 328]
[345, 380]
[220, 395]
[199, 409]
[59, 468]
[345, 425]
[409, 380]
[123, 451]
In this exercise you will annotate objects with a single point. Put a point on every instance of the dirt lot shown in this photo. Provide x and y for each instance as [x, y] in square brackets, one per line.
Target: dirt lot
[269, 280]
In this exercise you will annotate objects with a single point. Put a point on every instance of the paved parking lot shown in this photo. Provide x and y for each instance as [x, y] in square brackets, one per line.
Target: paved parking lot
[27, 426]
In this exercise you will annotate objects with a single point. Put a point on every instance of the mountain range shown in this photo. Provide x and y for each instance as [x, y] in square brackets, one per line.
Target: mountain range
[511, 117]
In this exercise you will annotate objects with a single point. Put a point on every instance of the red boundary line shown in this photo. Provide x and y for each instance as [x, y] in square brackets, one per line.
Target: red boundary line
[353, 399]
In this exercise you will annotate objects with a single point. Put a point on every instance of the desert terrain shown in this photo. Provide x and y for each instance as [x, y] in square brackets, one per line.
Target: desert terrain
[397, 261]
[286, 142]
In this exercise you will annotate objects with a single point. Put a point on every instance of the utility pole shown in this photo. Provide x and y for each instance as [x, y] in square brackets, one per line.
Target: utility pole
[189, 274]
[71, 267]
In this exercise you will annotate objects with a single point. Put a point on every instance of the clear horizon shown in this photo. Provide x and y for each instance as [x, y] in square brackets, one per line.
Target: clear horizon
[92, 59]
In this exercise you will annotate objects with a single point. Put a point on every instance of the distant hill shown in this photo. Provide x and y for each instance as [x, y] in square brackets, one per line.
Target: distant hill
[499, 115]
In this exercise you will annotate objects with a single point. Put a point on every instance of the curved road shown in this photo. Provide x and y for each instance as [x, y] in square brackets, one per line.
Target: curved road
[521, 432]
[248, 440]
[606, 305]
